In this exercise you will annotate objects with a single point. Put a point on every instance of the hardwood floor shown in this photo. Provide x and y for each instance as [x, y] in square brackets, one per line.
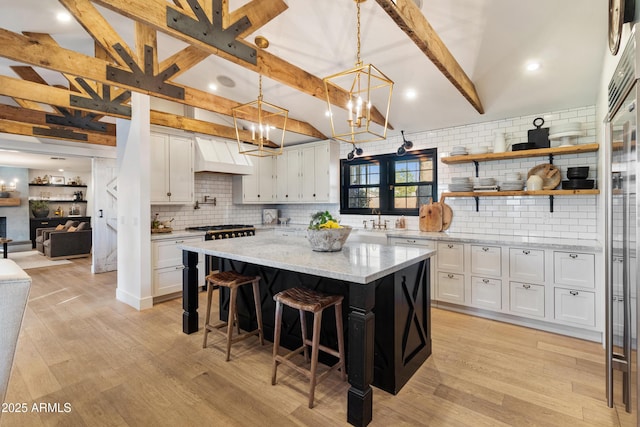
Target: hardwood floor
[114, 366]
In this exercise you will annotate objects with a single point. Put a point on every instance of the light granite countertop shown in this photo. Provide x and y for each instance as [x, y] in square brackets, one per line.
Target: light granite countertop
[177, 234]
[356, 262]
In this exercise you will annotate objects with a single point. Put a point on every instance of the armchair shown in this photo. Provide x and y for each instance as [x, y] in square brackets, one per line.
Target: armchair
[68, 244]
[42, 233]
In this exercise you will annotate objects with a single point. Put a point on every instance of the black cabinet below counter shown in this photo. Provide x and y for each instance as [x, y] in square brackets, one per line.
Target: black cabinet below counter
[35, 223]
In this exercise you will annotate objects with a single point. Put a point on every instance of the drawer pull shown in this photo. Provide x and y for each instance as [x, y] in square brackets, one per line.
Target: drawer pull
[526, 286]
[574, 293]
[450, 276]
[574, 256]
[179, 241]
[485, 249]
[526, 252]
[450, 246]
[485, 280]
[410, 241]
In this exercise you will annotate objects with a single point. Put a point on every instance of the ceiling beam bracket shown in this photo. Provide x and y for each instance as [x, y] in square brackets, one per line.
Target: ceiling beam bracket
[60, 133]
[145, 79]
[76, 120]
[212, 32]
[102, 103]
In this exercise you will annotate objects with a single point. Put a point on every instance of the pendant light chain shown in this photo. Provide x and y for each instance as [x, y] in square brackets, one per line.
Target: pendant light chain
[260, 86]
[359, 61]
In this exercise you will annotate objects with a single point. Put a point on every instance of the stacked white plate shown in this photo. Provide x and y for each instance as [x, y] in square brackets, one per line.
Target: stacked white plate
[479, 150]
[517, 185]
[458, 150]
[565, 130]
[486, 181]
[461, 184]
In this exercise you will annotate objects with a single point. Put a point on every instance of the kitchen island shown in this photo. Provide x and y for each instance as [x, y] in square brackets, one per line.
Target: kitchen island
[387, 289]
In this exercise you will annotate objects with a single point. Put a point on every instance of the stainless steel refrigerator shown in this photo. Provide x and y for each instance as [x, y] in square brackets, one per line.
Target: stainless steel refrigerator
[619, 187]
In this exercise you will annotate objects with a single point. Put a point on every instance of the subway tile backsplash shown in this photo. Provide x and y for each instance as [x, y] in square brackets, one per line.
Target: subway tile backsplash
[574, 217]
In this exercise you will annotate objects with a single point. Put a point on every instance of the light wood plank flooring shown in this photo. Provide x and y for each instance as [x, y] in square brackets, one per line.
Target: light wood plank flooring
[116, 366]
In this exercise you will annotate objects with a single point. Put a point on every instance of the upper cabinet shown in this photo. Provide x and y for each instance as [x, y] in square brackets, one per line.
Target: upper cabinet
[306, 173]
[172, 180]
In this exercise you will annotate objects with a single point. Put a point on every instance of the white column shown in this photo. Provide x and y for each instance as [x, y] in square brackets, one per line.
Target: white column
[134, 232]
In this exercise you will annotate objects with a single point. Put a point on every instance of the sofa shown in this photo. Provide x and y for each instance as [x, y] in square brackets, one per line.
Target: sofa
[41, 233]
[74, 242]
[14, 292]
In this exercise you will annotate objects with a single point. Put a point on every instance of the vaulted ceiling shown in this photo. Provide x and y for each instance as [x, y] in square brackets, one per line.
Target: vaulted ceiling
[484, 78]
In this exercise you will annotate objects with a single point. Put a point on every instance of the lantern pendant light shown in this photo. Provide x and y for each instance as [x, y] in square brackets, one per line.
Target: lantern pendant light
[355, 119]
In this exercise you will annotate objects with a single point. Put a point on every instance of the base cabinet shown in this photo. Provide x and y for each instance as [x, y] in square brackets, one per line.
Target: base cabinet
[450, 287]
[575, 306]
[486, 293]
[167, 266]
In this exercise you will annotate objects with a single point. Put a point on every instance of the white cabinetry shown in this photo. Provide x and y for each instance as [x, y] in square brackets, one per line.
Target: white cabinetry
[574, 269]
[450, 287]
[526, 265]
[167, 266]
[287, 175]
[575, 306]
[258, 187]
[172, 177]
[574, 281]
[486, 260]
[486, 293]
[451, 278]
[450, 256]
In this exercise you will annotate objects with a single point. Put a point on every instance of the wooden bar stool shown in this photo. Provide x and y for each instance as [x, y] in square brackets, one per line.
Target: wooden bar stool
[232, 280]
[314, 302]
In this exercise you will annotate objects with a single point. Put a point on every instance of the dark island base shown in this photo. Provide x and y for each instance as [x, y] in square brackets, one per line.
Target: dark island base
[402, 319]
[388, 322]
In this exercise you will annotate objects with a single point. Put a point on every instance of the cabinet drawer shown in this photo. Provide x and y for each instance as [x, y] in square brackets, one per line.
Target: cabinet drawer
[526, 265]
[167, 280]
[404, 241]
[575, 306]
[451, 287]
[527, 299]
[574, 269]
[165, 253]
[486, 293]
[486, 260]
[451, 256]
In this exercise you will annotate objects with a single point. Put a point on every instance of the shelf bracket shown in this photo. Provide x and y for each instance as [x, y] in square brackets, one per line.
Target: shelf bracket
[476, 164]
[551, 203]
[551, 161]
[478, 203]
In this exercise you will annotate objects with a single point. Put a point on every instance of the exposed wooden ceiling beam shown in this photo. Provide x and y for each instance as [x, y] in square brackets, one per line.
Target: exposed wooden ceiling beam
[24, 49]
[154, 13]
[17, 128]
[411, 20]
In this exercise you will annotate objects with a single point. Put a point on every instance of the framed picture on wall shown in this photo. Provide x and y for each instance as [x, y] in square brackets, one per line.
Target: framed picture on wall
[56, 180]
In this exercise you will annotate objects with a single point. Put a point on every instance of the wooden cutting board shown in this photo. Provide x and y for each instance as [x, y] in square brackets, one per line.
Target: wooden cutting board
[447, 216]
[431, 217]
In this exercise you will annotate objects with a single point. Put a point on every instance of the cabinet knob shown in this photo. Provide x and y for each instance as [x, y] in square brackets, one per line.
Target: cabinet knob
[450, 246]
[314, 194]
[485, 249]
[258, 195]
[526, 252]
[574, 256]
[574, 293]
[485, 280]
[450, 276]
[169, 194]
[526, 286]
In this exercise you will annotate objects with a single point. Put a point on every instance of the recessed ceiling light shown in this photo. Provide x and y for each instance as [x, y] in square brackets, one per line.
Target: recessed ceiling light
[63, 17]
[533, 66]
[60, 170]
[327, 113]
[213, 87]
[410, 94]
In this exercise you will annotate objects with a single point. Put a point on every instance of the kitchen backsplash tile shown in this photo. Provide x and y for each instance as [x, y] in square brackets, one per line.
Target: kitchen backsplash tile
[573, 217]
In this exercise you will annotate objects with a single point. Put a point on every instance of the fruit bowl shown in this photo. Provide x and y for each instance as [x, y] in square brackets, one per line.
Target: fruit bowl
[328, 239]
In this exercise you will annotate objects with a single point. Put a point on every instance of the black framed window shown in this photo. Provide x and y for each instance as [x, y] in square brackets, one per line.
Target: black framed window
[389, 183]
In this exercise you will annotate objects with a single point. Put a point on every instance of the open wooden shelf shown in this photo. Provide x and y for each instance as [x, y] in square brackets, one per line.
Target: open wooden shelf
[538, 152]
[10, 201]
[550, 193]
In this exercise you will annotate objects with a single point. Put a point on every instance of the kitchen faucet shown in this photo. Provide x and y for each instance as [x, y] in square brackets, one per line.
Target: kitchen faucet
[379, 224]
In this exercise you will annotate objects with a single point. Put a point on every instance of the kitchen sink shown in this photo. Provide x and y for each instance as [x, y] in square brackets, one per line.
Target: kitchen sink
[369, 236]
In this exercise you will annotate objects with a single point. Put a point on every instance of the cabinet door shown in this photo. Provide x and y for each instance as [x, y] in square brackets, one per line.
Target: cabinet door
[165, 253]
[250, 192]
[526, 265]
[527, 299]
[167, 280]
[451, 256]
[266, 184]
[322, 170]
[575, 306]
[282, 178]
[574, 269]
[159, 168]
[293, 176]
[181, 179]
[486, 260]
[450, 287]
[308, 174]
[486, 293]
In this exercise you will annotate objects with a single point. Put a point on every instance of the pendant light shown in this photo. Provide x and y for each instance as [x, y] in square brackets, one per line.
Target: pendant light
[260, 126]
[355, 119]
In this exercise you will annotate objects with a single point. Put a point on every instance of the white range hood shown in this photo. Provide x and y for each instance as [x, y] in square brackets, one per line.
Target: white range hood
[214, 155]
